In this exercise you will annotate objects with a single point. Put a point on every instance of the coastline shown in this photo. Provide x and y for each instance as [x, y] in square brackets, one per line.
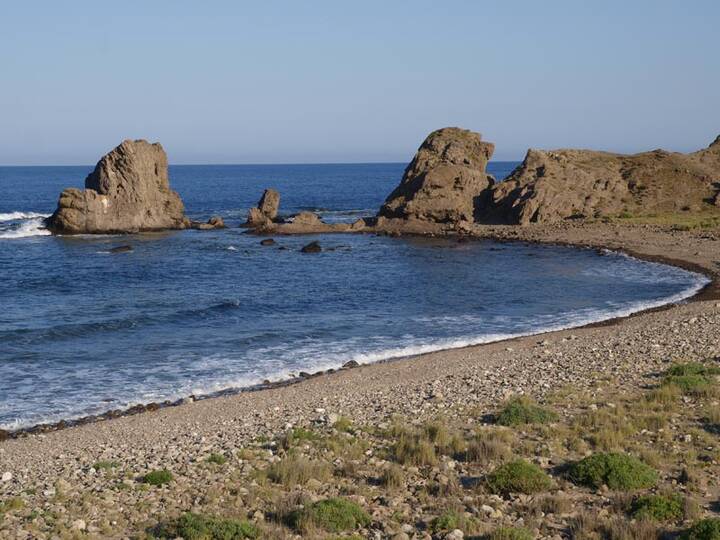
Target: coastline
[506, 234]
[710, 291]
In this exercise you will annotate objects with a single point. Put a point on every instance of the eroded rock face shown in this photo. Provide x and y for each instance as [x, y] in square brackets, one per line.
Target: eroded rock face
[445, 181]
[560, 184]
[127, 192]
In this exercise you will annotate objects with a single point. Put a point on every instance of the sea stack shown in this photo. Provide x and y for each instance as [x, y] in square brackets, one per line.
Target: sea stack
[266, 211]
[445, 181]
[551, 186]
[128, 192]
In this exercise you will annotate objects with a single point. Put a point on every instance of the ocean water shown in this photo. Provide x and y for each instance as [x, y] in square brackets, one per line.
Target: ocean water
[84, 331]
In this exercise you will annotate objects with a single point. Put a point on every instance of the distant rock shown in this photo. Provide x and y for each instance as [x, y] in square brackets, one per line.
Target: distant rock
[128, 192]
[267, 242]
[215, 222]
[266, 211]
[445, 180]
[312, 247]
[306, 219]
[574, 184]
[121, 249]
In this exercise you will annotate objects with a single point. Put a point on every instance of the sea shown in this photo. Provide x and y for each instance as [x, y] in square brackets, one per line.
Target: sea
[84, 331]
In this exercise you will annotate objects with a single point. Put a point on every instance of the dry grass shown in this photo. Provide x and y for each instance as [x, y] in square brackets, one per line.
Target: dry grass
[297, 470]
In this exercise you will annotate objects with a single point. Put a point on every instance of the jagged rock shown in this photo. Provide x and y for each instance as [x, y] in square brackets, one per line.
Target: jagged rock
[560, 184]
[312, 247]
[127, 192]
[445, 180]
[266, 211]
[306, 218]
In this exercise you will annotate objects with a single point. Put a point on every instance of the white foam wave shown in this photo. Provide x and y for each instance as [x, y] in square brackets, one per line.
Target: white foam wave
[31, 227]
[14, 216]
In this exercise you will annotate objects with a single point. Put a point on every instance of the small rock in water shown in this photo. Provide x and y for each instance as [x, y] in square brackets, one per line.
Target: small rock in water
[267, 242]
[121, 249]
[312, 247]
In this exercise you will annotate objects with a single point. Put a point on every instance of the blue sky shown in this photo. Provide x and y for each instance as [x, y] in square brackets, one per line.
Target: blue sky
[329, 81]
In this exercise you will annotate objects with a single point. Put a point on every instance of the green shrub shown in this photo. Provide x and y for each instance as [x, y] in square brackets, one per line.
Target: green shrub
[217, 459]
[511, 533]
[692, 368]
[518, 477]
[522, 410]
[668, 507]
[333, 515]
[691, 378]
[705, 529]
[343, 424]
[198, 527]
[446, 522]
[617, 471]
[158, 478]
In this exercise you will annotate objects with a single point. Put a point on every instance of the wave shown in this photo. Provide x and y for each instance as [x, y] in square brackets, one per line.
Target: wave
[14, 216]
[28, 228]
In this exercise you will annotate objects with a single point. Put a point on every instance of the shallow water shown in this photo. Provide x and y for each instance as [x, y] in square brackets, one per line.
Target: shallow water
[83, 331]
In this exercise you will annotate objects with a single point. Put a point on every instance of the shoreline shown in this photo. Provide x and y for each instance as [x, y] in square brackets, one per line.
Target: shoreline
[710, 291]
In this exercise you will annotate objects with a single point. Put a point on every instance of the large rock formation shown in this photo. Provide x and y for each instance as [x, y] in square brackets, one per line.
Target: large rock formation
[266, 211]
[445, 181]
[127, 192]
[560, 184]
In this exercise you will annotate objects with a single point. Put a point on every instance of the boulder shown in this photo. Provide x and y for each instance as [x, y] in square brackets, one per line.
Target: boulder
[555, 185]
[312, 247]
[128, 192]
[266, 211]
[215, 222]
[445, 181]
[306, 219]
[267, 242]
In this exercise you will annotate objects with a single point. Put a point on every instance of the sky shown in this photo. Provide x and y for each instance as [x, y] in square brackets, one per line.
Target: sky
[334, 81]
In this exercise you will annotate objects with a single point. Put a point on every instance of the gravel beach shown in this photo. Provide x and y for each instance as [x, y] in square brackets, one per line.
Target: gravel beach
[447, 382]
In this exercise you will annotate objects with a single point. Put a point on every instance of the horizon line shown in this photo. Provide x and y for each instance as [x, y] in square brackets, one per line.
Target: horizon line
[257, 164]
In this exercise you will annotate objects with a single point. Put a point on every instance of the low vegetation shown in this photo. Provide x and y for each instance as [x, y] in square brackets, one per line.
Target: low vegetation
[518, 477]
[199, 527]
[616, 471]
[664, 507]
[333, 515]
[706, 529]
[522, 410]
[158, 478]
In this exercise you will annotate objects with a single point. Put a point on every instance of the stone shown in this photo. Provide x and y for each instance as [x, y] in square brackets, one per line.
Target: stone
[267, 242]
[121, 249]
[215, 222]
[445, 181]
[266, 211]
[557, 185]
[79, 525]
[312, 247]
[306, 218]
[4, 435]
[455, 534]
[269, 204]
[6, 477]
[127, 192]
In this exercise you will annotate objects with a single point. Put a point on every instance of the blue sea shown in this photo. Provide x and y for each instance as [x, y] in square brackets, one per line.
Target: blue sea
[84, 331]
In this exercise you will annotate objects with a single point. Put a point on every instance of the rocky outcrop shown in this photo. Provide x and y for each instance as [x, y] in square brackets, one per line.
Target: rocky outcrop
[561, 184]
[127, 192]
[445, 181]
[215, 222]
[309, 219]
[266, 211]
